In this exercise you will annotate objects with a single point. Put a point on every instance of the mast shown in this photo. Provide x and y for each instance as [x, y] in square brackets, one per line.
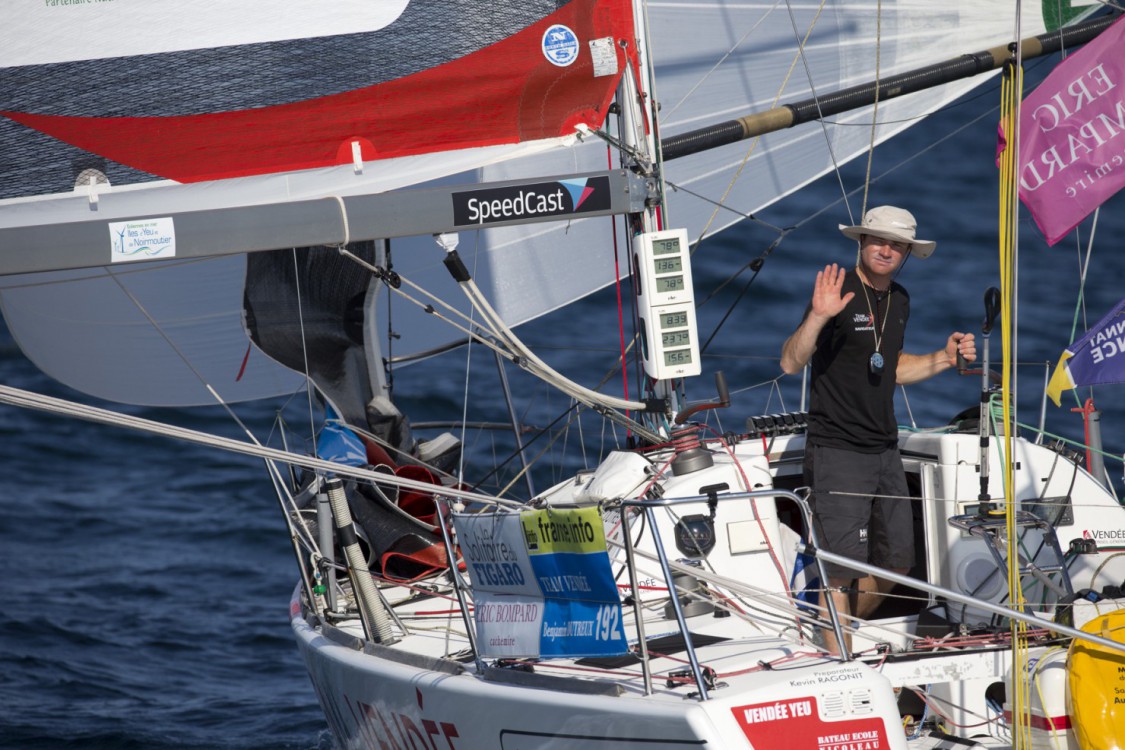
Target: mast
[641, 139]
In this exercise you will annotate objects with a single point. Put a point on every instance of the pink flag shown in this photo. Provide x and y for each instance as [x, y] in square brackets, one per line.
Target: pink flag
[1072, 136]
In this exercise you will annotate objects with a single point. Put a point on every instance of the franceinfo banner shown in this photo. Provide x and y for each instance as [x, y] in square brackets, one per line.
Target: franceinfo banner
[542, 583]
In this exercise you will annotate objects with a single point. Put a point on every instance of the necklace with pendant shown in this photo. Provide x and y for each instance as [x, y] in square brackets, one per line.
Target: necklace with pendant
[876, 362]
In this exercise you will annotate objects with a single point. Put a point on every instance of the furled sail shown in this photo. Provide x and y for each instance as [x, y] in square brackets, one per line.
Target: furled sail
[454, 92]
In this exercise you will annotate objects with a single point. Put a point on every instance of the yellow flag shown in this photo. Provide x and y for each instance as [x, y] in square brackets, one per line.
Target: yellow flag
[1060, 380]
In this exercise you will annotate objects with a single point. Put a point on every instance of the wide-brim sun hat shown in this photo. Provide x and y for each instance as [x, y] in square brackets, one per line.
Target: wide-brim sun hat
[891, 223]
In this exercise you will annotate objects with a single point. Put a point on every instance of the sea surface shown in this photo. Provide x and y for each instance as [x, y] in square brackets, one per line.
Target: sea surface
[144, 583]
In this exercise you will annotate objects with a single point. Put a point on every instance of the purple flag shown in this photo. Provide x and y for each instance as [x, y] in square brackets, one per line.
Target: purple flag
[1096, 358]
[1072, 136]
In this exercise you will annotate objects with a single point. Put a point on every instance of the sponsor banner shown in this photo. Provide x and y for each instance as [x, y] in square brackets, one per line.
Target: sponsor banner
[1097, 358]
[542, 584]
[1072, 147]
[1105, 535]
[507, 626]
[796, 722]
[144, 239]
[493, 549]
[531, 201]
[581, 628]
[567, 549]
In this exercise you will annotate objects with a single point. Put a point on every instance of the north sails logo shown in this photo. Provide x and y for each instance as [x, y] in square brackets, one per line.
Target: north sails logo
[560, 45]
[532, 201]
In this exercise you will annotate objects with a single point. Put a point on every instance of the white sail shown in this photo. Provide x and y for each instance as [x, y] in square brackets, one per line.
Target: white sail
[409, 95]
[53, 31]
[704, 76]
[164, 333]
[753, 65]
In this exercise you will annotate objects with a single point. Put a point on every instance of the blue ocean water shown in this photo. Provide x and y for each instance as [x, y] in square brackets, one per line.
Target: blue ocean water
[145, 582]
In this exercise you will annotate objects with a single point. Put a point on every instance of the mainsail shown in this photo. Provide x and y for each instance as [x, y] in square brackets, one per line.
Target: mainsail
[445, 88]
[455, 93]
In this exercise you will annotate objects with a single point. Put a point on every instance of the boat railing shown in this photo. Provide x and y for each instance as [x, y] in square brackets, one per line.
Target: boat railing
[648, 507]
[820, 557]
[811, 548]
[961, 598]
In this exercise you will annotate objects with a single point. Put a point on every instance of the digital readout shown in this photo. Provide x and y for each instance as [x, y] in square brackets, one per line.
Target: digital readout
[670, 283]
[673, 320]
[676, 338]
[666, 247]
[678, 357]
[668, 265]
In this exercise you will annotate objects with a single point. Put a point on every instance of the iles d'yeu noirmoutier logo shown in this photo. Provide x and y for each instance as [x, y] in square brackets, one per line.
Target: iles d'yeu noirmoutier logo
[531, 201]
[144, 239]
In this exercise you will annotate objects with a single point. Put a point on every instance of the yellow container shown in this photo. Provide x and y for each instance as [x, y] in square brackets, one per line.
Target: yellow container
[1097, 685]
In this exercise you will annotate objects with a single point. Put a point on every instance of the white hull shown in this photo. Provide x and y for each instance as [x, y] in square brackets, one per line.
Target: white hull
[373, 700]
[427, 691]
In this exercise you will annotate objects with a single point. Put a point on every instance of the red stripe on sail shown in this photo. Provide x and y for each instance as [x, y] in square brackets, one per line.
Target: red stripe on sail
[505, 93]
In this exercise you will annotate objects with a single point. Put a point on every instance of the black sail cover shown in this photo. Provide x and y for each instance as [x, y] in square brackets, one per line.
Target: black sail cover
[304, 308]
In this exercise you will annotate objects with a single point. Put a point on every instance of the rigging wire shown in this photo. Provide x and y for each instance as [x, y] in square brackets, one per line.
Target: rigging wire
[271, 467]
[527, 467]
[875, 106]
[756, 266]
[272, 470]
[718, 63]
[40, 402]
[468, 370]
[475, 330]
[617, 276]
[868, 180]
[777, 97]
[782, 231]
[304, 342]
[816, 98]
[179, 352]
[1080, 304]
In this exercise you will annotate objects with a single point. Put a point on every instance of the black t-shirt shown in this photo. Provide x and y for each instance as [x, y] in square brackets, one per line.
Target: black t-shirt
[850, 406]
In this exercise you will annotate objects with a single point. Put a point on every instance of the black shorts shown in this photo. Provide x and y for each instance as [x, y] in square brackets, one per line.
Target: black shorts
[860, 507]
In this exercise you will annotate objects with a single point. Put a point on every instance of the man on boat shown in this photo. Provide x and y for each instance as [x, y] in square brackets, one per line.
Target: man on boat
[853, 333]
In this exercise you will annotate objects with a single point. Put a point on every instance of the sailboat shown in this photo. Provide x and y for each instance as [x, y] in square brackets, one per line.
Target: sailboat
[385, 186]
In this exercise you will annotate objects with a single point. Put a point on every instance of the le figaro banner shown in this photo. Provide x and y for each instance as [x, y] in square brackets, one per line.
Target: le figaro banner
[1072, 136]
[542, 583]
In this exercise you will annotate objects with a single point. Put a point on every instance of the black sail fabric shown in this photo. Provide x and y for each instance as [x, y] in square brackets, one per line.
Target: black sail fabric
[304, 308]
